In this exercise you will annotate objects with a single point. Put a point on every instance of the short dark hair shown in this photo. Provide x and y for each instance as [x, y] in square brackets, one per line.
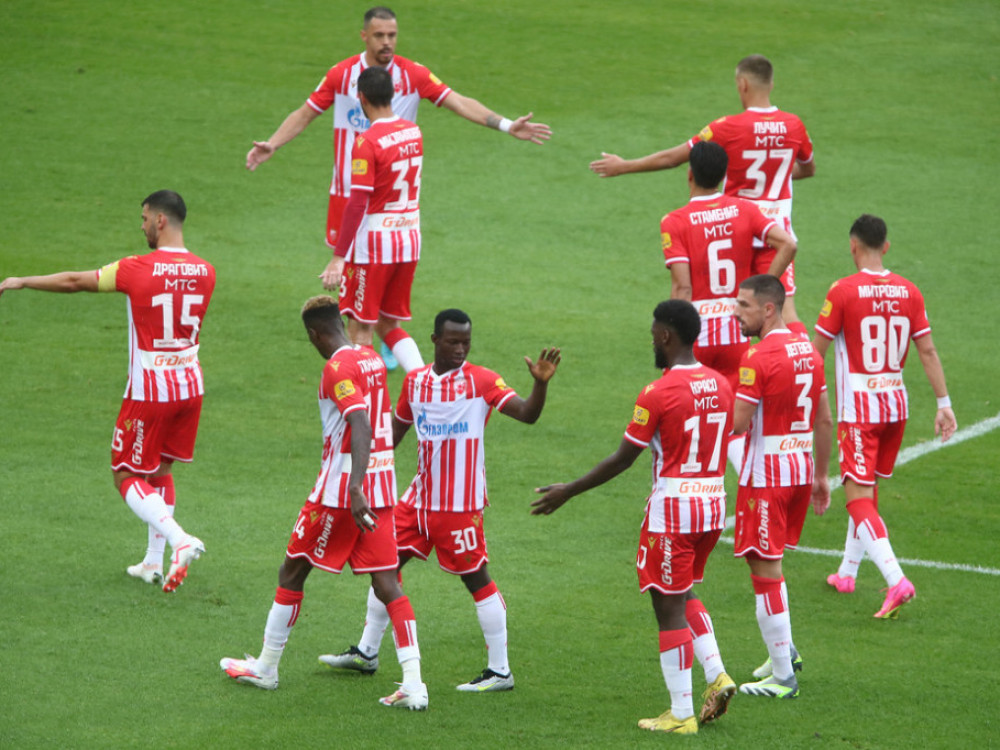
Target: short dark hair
[376, 84]
[756, 66]
[680, 316]
[766, 288]
[321, 313]
[870, 231]
[451, 315]
[708, 163]
[380, 12]
[167, 202]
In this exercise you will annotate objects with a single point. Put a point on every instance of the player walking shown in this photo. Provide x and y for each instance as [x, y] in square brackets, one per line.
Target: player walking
[767, 149]
[780, 397]
[450, 401]
[684, 418]
[168, 293]
[347, 517]
[871, 318]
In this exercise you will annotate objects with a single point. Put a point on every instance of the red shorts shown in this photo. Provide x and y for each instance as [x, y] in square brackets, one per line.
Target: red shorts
[148, 431]
[371, 290]
[673, 563]
[868, 451]
[762, 261]
[723, 358]
[329, 538]
[334, 216]
[768, 519]
[458, 537]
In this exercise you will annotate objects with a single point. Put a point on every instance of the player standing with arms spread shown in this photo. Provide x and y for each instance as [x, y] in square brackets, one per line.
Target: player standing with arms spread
[168, 293]
[708, 245]
[379, 241]
[450, 402]
[347, 517]
[411, 83]
[684, 418]
[780, 398]
[767, 149]
[871, 318]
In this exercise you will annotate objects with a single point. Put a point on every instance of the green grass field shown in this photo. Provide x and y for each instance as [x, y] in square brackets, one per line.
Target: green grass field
[103, 102]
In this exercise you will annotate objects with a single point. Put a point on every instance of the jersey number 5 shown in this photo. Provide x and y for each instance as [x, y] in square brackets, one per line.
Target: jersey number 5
[166, 302]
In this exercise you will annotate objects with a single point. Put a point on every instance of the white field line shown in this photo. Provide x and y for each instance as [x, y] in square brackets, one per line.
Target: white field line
[905, 456]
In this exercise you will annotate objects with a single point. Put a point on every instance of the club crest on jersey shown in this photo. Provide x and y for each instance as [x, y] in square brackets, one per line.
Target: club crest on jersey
[827, 309]
[359, 166]
[640, 416]
[748, 376]
[343, 389]
[460, 388]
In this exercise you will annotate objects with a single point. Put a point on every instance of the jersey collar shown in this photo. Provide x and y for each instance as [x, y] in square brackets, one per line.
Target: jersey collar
[712, 197]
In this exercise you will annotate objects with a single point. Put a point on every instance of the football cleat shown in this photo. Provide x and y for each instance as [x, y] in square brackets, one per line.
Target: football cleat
[413, 698]
[766, 670]
[247, 671]
[667, 722]
[352, 658]
[895, 598]
[772, 687]
[488, 682]
[147, 573]
[843, 584]
[189, 549]
[717, 698]
[391, 363]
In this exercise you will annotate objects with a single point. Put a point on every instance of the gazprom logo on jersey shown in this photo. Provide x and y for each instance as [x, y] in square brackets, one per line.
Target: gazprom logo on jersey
[356, 117]
[432, 429]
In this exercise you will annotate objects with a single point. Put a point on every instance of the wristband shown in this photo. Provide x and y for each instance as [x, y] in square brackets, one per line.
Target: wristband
[944, 402]
[504, 126]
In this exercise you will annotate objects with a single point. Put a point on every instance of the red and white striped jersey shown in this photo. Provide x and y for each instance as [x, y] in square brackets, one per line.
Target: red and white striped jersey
[783, 377]
[714, 235]
[685, 418]
[449, 413]
[763, 145]
[386, 161]
[168, 293]
[339, 88]
[355, 378]
[871, 317]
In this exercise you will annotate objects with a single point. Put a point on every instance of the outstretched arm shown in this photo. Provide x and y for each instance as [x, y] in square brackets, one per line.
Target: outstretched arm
[945, 423]
[612, 165]
[473, 111]
[65, 282]
[554, 496]
[294, 124]
[528, 410]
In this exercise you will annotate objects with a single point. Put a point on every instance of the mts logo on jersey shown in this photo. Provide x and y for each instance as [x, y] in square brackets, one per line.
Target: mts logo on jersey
[768, 134]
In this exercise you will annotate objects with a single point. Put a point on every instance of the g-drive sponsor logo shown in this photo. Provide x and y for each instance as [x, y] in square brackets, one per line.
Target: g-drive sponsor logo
[432, 429]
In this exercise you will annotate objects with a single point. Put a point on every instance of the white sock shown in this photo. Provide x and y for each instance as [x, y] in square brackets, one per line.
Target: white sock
[376, 621]
[407, 354]
[880, 551]
[678, 683]
[854, 551]
[706, 651]
[150, 507]
[156, 545]
[776, 630]
[492, 614]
